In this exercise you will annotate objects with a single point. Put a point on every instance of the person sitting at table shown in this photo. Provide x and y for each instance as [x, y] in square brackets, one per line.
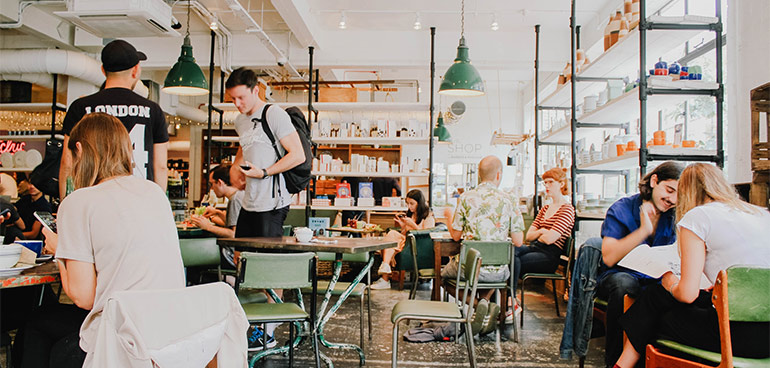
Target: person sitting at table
[219, 180]
[28, 204]
[486, 213]
[115, 232]
[716, 230]
[549, 232]
[418, 217]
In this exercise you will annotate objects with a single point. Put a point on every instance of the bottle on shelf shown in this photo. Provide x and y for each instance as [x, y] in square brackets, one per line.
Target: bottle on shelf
[607, 33]
[615, 28]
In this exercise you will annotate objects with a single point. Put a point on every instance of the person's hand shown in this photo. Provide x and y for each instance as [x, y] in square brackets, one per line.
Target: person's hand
[51, 241]
[202, 222]
[408, 222]
[399, 220]
[5, 217]
[646, 213]
[668, 280]
[252, 172]
[210, 211]
[448, 213]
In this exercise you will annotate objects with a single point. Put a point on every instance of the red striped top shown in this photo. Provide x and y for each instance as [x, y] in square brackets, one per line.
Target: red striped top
[561, 222]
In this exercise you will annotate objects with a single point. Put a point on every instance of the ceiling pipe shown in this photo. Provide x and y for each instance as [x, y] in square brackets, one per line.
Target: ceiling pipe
[280, 57]
[53, 61]
[20, 19]
[224, 36]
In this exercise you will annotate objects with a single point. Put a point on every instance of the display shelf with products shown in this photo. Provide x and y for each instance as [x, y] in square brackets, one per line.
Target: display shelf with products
[374, 174]
[342, 106]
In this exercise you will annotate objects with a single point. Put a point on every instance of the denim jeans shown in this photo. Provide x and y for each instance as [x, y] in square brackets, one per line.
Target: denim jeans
[535, 258]
[578, 322]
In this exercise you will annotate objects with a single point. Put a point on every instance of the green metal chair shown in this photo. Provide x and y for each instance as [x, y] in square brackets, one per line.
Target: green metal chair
[566, 261]
[279, 271]
[420, 262]
[361, 290]
[200, 252]
[442, 311]
[741, 294]
[494, 253]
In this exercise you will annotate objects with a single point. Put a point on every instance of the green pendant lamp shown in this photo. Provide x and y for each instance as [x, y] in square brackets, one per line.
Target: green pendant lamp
[441, 132]
[462, 78]
[186, 78]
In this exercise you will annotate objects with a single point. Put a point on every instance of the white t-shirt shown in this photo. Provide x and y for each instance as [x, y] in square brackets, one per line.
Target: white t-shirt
[124, 226]
[732, 237]
[261, 194]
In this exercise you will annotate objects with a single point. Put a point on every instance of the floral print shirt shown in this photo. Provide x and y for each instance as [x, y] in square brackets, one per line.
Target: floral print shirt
[487, 213]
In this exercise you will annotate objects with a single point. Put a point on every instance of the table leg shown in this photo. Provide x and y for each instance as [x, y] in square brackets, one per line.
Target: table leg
[324, 318]
[436, 290]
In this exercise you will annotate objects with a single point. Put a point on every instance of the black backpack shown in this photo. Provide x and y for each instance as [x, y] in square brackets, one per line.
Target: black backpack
[45, 177]
[298, 177]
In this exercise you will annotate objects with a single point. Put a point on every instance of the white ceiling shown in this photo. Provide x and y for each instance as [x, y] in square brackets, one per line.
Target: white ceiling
[379, 35]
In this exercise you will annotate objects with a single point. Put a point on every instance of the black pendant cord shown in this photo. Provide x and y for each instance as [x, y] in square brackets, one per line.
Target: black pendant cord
[431, 145]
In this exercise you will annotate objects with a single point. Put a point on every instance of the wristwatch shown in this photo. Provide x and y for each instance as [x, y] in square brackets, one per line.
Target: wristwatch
[264, 173]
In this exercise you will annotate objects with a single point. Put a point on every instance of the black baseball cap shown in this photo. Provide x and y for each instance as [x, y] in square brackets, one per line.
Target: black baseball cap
[120, 55]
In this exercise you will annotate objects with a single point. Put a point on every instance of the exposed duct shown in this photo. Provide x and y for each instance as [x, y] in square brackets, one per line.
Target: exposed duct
[223, 35]
[255, 28]
[45, 80]
[53, 61]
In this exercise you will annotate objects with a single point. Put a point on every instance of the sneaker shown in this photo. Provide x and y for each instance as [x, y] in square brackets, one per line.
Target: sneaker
[479, 315]
[490, 321]
[509, 315]
[380, 284]
[255, 339]
[384, 268]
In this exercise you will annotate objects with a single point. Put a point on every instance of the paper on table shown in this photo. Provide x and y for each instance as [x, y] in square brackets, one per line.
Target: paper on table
[655, 261]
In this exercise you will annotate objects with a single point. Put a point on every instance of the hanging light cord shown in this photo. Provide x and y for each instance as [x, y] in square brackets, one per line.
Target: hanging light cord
[187, 33]
[462, 19]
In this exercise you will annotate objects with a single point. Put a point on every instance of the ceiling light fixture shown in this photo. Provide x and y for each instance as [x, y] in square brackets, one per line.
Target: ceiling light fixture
[213, 25]
[343, 21]
[494, 26]
[440, 131]
[186, 78]
[462, 78]
[417, 23]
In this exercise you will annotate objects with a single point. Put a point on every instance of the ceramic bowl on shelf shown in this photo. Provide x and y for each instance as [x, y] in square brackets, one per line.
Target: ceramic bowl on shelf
[6, 158]
[34, 158]
[20, 159]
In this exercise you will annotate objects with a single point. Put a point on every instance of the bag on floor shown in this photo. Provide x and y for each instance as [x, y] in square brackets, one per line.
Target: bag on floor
[431, 332]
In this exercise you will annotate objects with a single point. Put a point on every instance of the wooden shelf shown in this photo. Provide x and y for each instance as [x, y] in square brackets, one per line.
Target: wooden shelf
[16, 169]
[630, 160]
[561, 135]
[371, 140]
[30, 106]
[357, 208]
[369, 174]
[593, 215]
[344, 106]
[36, 137]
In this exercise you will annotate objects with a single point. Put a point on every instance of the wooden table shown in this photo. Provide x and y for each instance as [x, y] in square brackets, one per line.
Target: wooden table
[443, 246]
[46, 273]
[342, 246]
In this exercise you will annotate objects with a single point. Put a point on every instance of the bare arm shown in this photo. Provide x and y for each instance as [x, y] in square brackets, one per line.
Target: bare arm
[549, 236]
[693, 251]
[79, 282]
[237, 178]
[533, 233]
[159, 164]
[65, 167]
[207, 225]
[34, 232]
[517, 238]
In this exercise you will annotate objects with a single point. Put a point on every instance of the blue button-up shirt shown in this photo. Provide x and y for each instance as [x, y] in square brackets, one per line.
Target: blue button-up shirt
[623, 219]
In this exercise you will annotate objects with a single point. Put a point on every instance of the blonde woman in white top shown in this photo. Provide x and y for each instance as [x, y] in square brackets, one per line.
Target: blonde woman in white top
[716, 230]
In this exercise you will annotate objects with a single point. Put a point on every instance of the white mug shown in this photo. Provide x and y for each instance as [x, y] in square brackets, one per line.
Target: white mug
[303, 234]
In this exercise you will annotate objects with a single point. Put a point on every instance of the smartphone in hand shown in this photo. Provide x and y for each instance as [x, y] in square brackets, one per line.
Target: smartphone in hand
[47, 220]
[245, 167]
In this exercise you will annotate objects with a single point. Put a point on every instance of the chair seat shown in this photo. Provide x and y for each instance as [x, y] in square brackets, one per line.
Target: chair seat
[249, 296]
[712, 356]
[339, 288]
[543, 276]
[273, 312]
[481, 285]
[427, 273]
[428, 309]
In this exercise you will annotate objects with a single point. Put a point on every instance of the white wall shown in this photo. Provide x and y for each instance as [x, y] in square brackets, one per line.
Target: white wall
[748, 55]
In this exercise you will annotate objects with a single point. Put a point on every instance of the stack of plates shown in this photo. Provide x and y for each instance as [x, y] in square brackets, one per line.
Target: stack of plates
[21, 159]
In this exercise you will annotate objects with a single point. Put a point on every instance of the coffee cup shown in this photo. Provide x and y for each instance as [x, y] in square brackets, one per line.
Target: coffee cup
[303, 234]
[33, 245]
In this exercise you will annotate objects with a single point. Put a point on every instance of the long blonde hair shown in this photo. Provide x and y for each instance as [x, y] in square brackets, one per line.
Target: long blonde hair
[700, 183]
[105, 149]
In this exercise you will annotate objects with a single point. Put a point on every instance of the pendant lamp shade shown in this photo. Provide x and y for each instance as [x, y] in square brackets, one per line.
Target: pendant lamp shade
[441, 132]
[462, 78]
[186, 78]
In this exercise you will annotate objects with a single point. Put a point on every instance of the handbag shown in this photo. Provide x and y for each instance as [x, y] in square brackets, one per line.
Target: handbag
[45, 177]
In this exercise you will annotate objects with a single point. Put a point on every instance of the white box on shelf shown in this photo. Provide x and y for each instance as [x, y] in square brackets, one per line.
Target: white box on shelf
[365, 202]
[392, 202]
[343, 202]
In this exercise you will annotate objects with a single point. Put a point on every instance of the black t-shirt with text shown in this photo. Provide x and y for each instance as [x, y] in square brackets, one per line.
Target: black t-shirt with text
[144, 120]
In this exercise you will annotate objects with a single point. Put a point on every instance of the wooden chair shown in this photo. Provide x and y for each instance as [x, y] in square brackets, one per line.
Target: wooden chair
[566, 261]
[442, 311]
[740, 294]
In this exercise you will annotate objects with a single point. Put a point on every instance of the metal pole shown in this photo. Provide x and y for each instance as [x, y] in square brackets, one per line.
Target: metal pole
[642, 88]
[537, 113]
[308, 198]
[53, 104]
[573, 127]
[430, 122]
[721, 91]
[211, 96]
[221, 86]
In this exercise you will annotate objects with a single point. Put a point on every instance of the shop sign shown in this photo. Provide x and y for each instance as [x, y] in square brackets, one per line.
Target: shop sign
[11, 146]
[462, 151]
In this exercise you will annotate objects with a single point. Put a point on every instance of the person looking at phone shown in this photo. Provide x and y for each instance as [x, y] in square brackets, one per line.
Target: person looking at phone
[27, 205]
[116, 233]
[219, 180]
[266, 200]
[418, 216]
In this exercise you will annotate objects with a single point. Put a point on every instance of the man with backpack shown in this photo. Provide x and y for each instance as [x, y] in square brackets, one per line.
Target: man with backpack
[263, 158]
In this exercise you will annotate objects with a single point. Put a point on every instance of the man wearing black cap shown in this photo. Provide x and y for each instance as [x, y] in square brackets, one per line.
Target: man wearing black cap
[144, 119]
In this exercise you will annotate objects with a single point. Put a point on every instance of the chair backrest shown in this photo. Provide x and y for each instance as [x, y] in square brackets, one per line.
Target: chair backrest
[423, 257]
[748, 293]
[199, 252]
[569, 250]
[493, 253]
[470, 270]
[276, 270]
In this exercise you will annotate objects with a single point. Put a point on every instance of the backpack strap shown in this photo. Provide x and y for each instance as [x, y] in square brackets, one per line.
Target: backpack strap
[269, 133]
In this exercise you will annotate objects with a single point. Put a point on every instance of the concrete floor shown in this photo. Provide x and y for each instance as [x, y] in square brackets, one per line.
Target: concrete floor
[538, 341]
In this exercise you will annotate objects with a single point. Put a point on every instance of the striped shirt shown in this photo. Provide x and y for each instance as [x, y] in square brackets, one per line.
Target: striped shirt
[561, 222]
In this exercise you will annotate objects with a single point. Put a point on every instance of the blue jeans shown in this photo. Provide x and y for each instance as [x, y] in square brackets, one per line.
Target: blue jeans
[535, 258]
[612, 287]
